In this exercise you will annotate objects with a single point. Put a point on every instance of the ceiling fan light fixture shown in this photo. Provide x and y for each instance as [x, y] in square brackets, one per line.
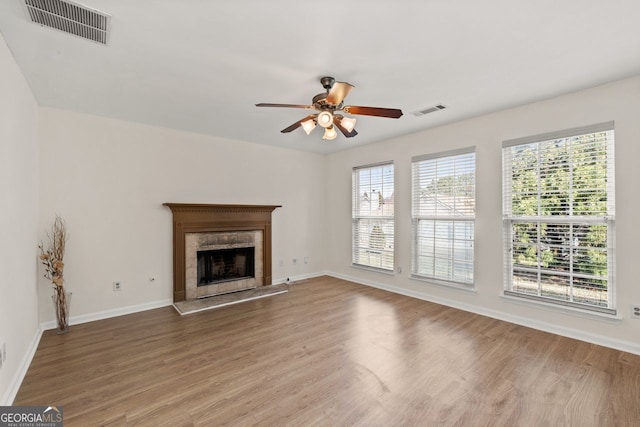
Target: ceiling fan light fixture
[348, 123]
[325, 119]
[328, 107]
[308, 126]
[330, 134]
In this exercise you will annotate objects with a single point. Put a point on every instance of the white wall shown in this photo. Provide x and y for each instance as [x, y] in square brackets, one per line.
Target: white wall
[618, 101]
[108, 179]
[18, 219]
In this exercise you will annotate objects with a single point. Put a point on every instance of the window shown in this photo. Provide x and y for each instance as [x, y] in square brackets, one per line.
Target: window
[443, 216]
[372, 216]
[558, 207]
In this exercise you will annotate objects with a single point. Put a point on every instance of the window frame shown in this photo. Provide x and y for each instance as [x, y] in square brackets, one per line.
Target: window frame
[416, 218]
[570, 220]
[357, 218]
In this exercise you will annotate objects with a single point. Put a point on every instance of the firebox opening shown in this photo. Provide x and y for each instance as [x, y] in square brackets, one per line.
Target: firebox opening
[225, 265]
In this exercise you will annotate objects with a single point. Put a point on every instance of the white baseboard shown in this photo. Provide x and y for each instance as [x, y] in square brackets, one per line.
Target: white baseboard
[76, 320]
[16, 381]
[602, 340]
[292, 279]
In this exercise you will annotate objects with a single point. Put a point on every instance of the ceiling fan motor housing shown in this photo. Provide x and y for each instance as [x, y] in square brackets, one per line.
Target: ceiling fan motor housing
[319, 99]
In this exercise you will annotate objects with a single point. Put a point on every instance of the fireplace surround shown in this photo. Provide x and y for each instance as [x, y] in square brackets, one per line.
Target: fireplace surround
[207, 227]
[218, 252]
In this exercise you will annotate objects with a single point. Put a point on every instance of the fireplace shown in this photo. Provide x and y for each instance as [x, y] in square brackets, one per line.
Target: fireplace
[225, 265]
[219, 262]
[220, 248]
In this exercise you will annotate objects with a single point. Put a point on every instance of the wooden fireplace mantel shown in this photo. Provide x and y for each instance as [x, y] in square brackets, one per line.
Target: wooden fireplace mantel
[204, 218]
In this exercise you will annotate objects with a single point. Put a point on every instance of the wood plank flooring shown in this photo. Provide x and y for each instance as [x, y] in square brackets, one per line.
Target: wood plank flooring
[329, 353]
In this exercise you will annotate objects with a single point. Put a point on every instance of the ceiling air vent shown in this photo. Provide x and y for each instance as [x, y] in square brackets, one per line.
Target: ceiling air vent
[70, 18]
[429, 110]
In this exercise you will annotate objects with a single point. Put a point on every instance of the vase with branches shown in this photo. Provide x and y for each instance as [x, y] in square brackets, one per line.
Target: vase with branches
[52, 258]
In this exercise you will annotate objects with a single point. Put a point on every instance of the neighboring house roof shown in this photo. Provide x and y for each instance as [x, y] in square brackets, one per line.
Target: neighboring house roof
[447, 204]
[437, 204]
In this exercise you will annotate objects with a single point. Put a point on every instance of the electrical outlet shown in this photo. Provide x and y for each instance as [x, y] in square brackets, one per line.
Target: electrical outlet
[4, 352]
[117, 286]
[635, 311]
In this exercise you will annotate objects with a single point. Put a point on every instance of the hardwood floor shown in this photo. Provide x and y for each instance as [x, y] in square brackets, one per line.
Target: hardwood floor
[329, 353]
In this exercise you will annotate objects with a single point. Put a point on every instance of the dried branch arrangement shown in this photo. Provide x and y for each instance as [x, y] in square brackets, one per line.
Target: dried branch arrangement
[52, 259]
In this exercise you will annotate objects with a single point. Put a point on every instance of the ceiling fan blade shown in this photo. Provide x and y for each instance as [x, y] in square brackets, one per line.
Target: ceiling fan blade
[338, 122]
[338, 92]
[308, 107]
[297, 124]
[392, 113]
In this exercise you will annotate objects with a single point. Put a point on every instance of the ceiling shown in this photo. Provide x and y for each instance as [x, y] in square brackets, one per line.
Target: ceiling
[201, 65]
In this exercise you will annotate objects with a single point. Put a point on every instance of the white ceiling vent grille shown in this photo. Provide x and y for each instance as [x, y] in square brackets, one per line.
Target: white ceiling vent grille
[429, 110]
[70, 18]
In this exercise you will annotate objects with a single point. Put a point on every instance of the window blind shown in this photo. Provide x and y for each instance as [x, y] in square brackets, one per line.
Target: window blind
[373, 202]
[443, 215]
[559, 217]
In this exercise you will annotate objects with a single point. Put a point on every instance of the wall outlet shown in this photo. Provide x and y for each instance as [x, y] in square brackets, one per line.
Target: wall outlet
[4, 352]
[635, 311]
[117, 286]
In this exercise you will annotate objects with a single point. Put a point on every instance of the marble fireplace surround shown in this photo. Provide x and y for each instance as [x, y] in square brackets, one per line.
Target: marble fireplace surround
[195, 242]
[205, 218]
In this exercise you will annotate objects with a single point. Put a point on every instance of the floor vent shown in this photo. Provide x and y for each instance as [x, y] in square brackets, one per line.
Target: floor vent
[70, 18]
[429, 110]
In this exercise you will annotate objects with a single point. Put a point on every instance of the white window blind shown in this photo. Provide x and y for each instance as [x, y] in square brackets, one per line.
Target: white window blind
[372, 216]
[443, 215]
[559, 217]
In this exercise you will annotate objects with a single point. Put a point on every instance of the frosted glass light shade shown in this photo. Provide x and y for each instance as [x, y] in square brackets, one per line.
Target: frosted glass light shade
[330, 134]
[325, 119]
[308, 126]
[348, 123]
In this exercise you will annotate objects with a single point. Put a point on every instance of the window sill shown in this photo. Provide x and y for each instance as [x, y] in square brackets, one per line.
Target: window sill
[374, 269]
[573, 311]
[444, 283]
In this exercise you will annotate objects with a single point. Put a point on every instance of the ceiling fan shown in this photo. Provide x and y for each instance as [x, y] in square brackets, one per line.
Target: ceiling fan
[327, 104]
